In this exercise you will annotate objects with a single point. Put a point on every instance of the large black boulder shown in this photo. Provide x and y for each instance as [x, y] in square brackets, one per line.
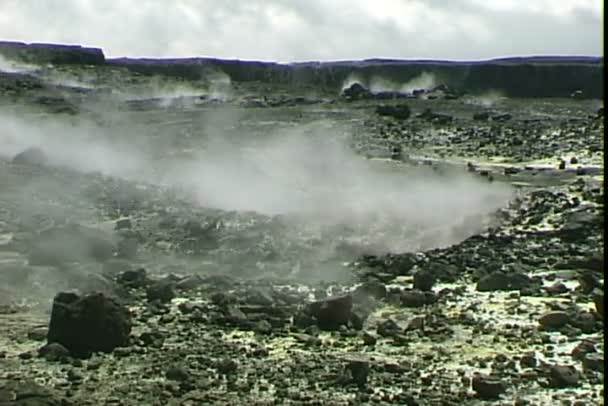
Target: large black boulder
[401, 111]
[356, 91]
[332, 312]
[87, 324]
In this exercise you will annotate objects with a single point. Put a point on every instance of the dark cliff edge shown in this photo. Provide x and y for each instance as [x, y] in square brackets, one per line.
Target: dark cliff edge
[41, 54]
[535, 76]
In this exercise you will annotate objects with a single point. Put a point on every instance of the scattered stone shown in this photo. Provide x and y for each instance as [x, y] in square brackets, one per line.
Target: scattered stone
[424, 281]
[401, 112]
[177, 373]
[358, 369]
[53, 352]
[582, 349]
[88, 324]
[598, 301]
[481, 116]
[123, 224]
[38, 333]
[332, 312]
[488, 387]
[554, 320]
[501, 281]
[161, 291]
[528, 360]
[417, 298]
[563, 376]
[133, 278]
[356, 91]
[593, 362]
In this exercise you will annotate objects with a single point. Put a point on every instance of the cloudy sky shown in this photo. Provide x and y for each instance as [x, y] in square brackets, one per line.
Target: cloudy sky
[297, 30]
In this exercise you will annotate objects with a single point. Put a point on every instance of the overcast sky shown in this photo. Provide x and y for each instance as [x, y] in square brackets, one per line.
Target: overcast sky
[296, 30]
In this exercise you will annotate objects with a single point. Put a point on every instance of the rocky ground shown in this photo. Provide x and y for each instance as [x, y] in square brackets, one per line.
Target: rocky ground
[180, 300]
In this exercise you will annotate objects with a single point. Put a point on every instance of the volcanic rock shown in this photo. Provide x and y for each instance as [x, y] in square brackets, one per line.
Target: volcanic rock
[161, 291]
[554, 320]
[598, 300]
[356, 91]
[401, 112]
[133, 278]
[424, 280]
[563, 376]
[88, 324]
[332, 312]
[499, 280]
[417, 298]
[593, 362]
[23, 392]
[488, 387]
[53, 352]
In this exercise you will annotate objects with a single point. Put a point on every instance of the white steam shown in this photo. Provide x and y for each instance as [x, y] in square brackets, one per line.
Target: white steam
[377, 84]
[308, 172]
[11, 66]
[488, 99]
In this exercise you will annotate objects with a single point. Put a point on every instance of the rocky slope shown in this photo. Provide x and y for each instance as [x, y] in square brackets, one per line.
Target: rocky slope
[121, 283]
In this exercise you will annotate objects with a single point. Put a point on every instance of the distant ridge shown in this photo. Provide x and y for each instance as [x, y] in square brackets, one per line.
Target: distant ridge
[516, 76]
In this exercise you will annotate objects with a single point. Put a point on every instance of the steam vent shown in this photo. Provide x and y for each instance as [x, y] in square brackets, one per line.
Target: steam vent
[204, 231]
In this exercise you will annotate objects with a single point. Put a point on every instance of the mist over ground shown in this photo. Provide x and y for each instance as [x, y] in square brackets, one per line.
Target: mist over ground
[307, 173]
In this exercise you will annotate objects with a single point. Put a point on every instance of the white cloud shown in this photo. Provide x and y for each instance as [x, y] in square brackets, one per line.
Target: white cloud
[311, 30]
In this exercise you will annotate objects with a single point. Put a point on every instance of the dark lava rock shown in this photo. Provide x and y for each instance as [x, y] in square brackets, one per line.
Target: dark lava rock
[528, 360]
[401, 112]
[585, 321]
[439, 118]
[358, 369]
[22, 392]
[417, 298]
[123, 224]
[557, 288]
[554, 320]
[71, 243]
[488, 387]
[598, 300]
[177, 373]
[388, 328]
[31, 156]
[356, 91]
[589, 281]
[226, 366]
[594, 362]
[332, 312]
[152, 338]
[89, 323]
[161, 291]
[499, 280]
[563, 376]
[53, 352]
[424, 280]
[580, 224]
[189, 282]
[582, 349]
[133, 278]
[502, 117]
[481, 116]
